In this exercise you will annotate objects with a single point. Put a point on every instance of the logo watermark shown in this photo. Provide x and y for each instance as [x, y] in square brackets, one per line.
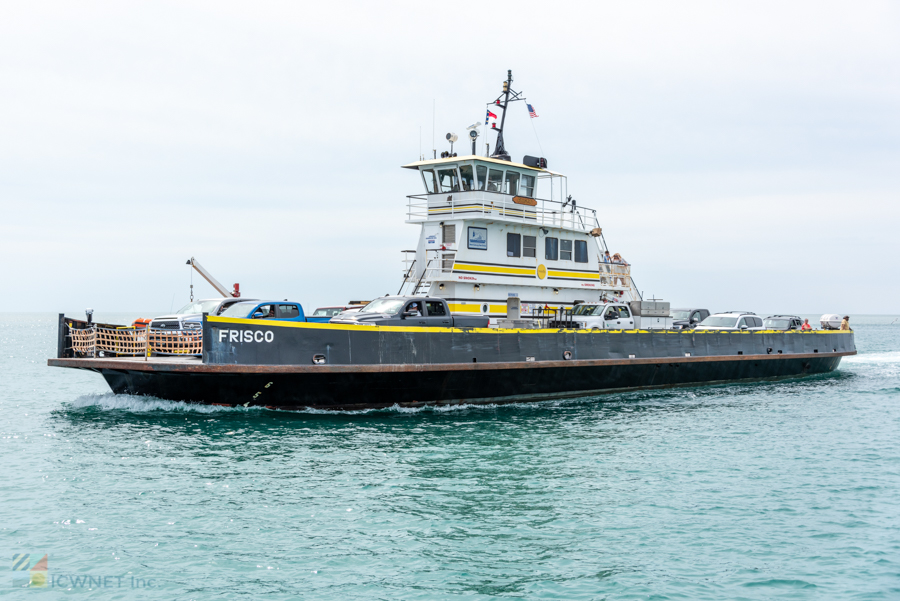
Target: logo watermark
[30, 570]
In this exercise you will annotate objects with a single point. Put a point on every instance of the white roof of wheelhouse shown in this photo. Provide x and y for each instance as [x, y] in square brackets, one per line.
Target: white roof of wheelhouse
[473, 157]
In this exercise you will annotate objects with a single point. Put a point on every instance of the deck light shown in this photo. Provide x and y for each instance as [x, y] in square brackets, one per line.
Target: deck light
[477, 287]
[556, 291]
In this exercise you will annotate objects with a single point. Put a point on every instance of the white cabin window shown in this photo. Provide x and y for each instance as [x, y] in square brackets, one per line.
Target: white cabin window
[526, 188]
[513, 245]
[495, 180]
[449, 180]
[565, 250]
[430, 181]
[512, 183]
[551, 248]
[481, 172]
[581, 254]
[529, 246]
[467, 177]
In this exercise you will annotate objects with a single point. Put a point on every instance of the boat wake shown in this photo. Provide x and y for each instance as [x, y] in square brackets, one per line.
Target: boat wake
[145, 404]
[881, 367]
[878, 358]
[455, 408]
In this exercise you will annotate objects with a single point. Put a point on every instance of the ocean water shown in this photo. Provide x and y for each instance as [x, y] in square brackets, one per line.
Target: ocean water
[787, 490]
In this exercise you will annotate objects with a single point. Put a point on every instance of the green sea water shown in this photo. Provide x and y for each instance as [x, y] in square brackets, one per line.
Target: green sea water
[786, 489]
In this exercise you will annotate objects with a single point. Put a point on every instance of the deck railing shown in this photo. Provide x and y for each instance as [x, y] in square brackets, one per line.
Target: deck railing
[95, 341]
[615, 274]
[544, 212]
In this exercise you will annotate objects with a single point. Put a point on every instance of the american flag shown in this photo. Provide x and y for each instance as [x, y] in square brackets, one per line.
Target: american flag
[531, 111]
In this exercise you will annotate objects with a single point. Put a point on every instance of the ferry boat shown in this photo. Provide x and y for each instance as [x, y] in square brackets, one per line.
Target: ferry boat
[499, 239]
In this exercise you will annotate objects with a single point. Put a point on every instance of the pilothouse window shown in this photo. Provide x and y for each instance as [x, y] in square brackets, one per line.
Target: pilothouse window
[481, 171]
[430, 182]
[512, 183]
[495, 180]
[449, 180]
[565, 250]
[467, 177]
[526, 188]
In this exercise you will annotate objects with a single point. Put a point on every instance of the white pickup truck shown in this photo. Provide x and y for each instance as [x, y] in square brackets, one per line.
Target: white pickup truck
[636, 315]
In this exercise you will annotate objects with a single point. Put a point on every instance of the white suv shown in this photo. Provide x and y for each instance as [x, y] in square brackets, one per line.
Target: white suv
[732, 321]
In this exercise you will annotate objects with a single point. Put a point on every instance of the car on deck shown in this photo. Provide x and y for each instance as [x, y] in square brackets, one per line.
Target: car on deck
[601, 316]
[272, 310]
[324, 314]
[410, 311]
[782, 322]
[190, 315]
[732, 321]
[685, 319]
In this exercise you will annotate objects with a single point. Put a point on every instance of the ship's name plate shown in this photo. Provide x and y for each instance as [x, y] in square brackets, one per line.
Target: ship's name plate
[524, 200]
[246, 336]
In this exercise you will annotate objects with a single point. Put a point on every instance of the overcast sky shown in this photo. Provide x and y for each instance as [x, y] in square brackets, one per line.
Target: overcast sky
[739, 155]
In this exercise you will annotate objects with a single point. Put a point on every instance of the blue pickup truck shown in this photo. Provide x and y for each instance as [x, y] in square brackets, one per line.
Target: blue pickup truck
[278, 310]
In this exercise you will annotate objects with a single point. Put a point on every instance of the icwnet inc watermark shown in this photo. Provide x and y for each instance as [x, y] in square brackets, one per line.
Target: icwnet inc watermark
[31, 570]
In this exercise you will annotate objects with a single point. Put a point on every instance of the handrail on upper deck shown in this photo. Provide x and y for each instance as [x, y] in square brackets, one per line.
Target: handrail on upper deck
[539, 212]
[504, 194]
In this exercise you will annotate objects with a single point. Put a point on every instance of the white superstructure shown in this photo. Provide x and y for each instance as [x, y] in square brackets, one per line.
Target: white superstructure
[493, 229]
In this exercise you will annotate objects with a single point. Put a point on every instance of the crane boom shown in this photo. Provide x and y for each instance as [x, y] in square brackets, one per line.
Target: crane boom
[212, 281]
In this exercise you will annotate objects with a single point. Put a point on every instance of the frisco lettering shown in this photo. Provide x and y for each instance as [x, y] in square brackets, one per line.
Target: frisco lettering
[246, 336]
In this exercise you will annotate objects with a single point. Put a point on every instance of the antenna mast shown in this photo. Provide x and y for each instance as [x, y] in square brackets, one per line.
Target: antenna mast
[508, 96]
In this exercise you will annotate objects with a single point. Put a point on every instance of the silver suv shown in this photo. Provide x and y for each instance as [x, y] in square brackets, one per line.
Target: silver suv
[732, 321]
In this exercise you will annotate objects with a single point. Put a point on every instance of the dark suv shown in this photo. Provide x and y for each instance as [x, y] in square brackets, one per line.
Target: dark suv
[685, 319]
[782, 322]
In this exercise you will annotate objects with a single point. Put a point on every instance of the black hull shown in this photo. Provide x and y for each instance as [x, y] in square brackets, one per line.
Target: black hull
[297, 365]
[357, 389]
